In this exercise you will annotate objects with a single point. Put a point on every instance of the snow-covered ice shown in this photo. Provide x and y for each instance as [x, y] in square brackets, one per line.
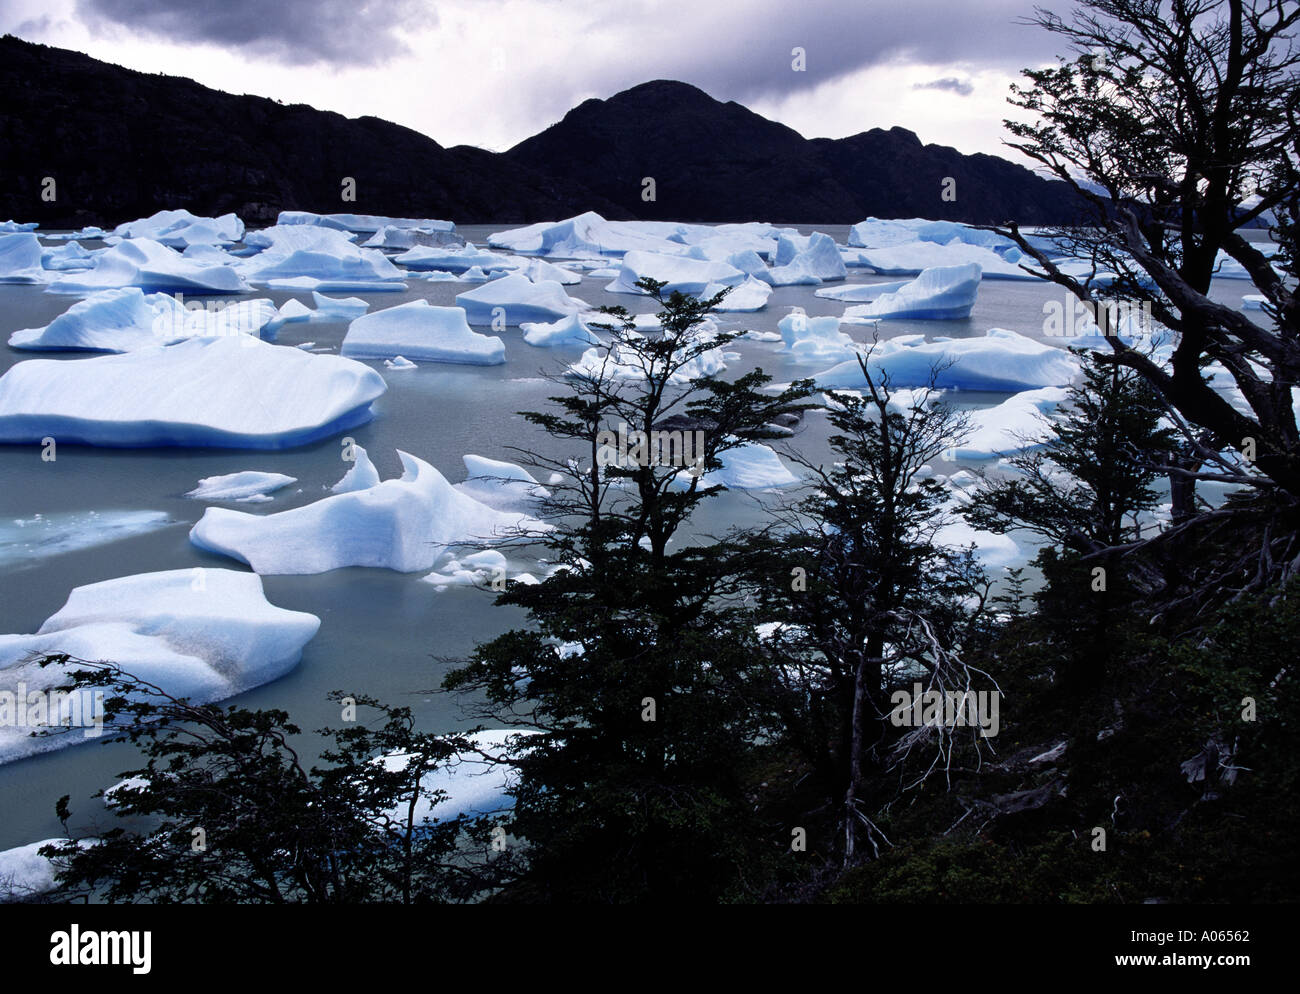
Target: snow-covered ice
[944, 293]
[681, 274]
[404, 524]
[205, 634]
[571, 330]
[150, 265]
[324, 254]
[1014, 425]
[180, 228]
[240, 486]
[226, 392]
[515, 300]
[420, 331]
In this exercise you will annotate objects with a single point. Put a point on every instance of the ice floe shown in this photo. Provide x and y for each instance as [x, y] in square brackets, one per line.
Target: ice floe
[405, 524]
[943, 293]
[204, 634]
[242, 486]
[150, 265]
[1017, 424]
[228, 392]
[681, 274]
[420, 331]
[571, 330]
[515, 300]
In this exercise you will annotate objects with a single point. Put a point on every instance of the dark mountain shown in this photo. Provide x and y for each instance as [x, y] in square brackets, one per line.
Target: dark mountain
[122, 144]
[722, 162]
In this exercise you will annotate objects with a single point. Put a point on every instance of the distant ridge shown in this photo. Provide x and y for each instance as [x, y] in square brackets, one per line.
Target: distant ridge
[122, 144]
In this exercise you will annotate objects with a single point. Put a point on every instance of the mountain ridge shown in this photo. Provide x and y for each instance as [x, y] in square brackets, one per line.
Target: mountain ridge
[121, 144]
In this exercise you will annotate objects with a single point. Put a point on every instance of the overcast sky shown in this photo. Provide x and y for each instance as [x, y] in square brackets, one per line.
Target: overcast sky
[492, 72]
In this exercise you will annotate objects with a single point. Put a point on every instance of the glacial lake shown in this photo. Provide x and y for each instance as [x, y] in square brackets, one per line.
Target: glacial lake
[382, 633]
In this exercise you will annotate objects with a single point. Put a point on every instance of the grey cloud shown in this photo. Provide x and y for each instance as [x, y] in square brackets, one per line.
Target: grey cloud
[300, 32]
[951, 83]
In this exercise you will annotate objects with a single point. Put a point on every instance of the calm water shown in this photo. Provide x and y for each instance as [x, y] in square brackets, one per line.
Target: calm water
[382, 633]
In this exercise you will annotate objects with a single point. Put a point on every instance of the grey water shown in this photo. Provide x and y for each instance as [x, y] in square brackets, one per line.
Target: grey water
[382, 633]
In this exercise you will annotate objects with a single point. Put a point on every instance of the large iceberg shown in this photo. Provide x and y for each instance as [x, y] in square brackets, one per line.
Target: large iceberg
[587, 235]
[145, 263]
[204, 634]
[320, 253]
[799, 260]
[127, 319]
[228, 392]
[180, 228]
[515, 299]
[1002, 361]
[680, 273]
[418, 330]
[455, 259]
[20, 259]
[943, 293]
[361, 222]
[405, 525]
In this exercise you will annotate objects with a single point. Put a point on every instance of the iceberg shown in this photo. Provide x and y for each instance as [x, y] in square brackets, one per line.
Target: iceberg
[586, 236]
[571, 330]
[324, 254]
[361, 222]
[180, 228]
[150, 265]
[913, 258]
[515, 299]
[227, 392]
[13, 227]
[418, 330]
[455, 259]
[945, 293]
[20, 259]
[621, 362]
[816, 339]
[751, 466]
[362, 475]
[505, 486]
[128, 319]
[68, 257]
[405, 525]
[747, 297]
[1000, 362]
[799, 260]
[394, 237]
[471, 785]
[680, 273]
[246, 485]
[1013, 426]
[538, 270]
[875, 233]
[204, 634]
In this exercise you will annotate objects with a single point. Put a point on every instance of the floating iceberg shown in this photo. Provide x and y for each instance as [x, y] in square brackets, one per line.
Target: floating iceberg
[913, 258]
[516, 299]
[361, 222]
[875, 233]
[944, 293]
[680, 273]
[418, 330]
[327, 309]
[751, 466]
[571, 330]
[362, 475]
[748, 297]
[799, 260]
[473, 784]
[621, 362]
[405, 525]
[1002, 361]
[324, 254]
[538, 270]
[247, 485]
[455, 259]
[816, 339]
[585, 236]
[12, 227]
[1013, 426]
[505, 486]
[392, 237]
[180, 228]
[69, 257]
[205, 634]
[145, 263]
[128, 319]
[221, 392]
[20, 259]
